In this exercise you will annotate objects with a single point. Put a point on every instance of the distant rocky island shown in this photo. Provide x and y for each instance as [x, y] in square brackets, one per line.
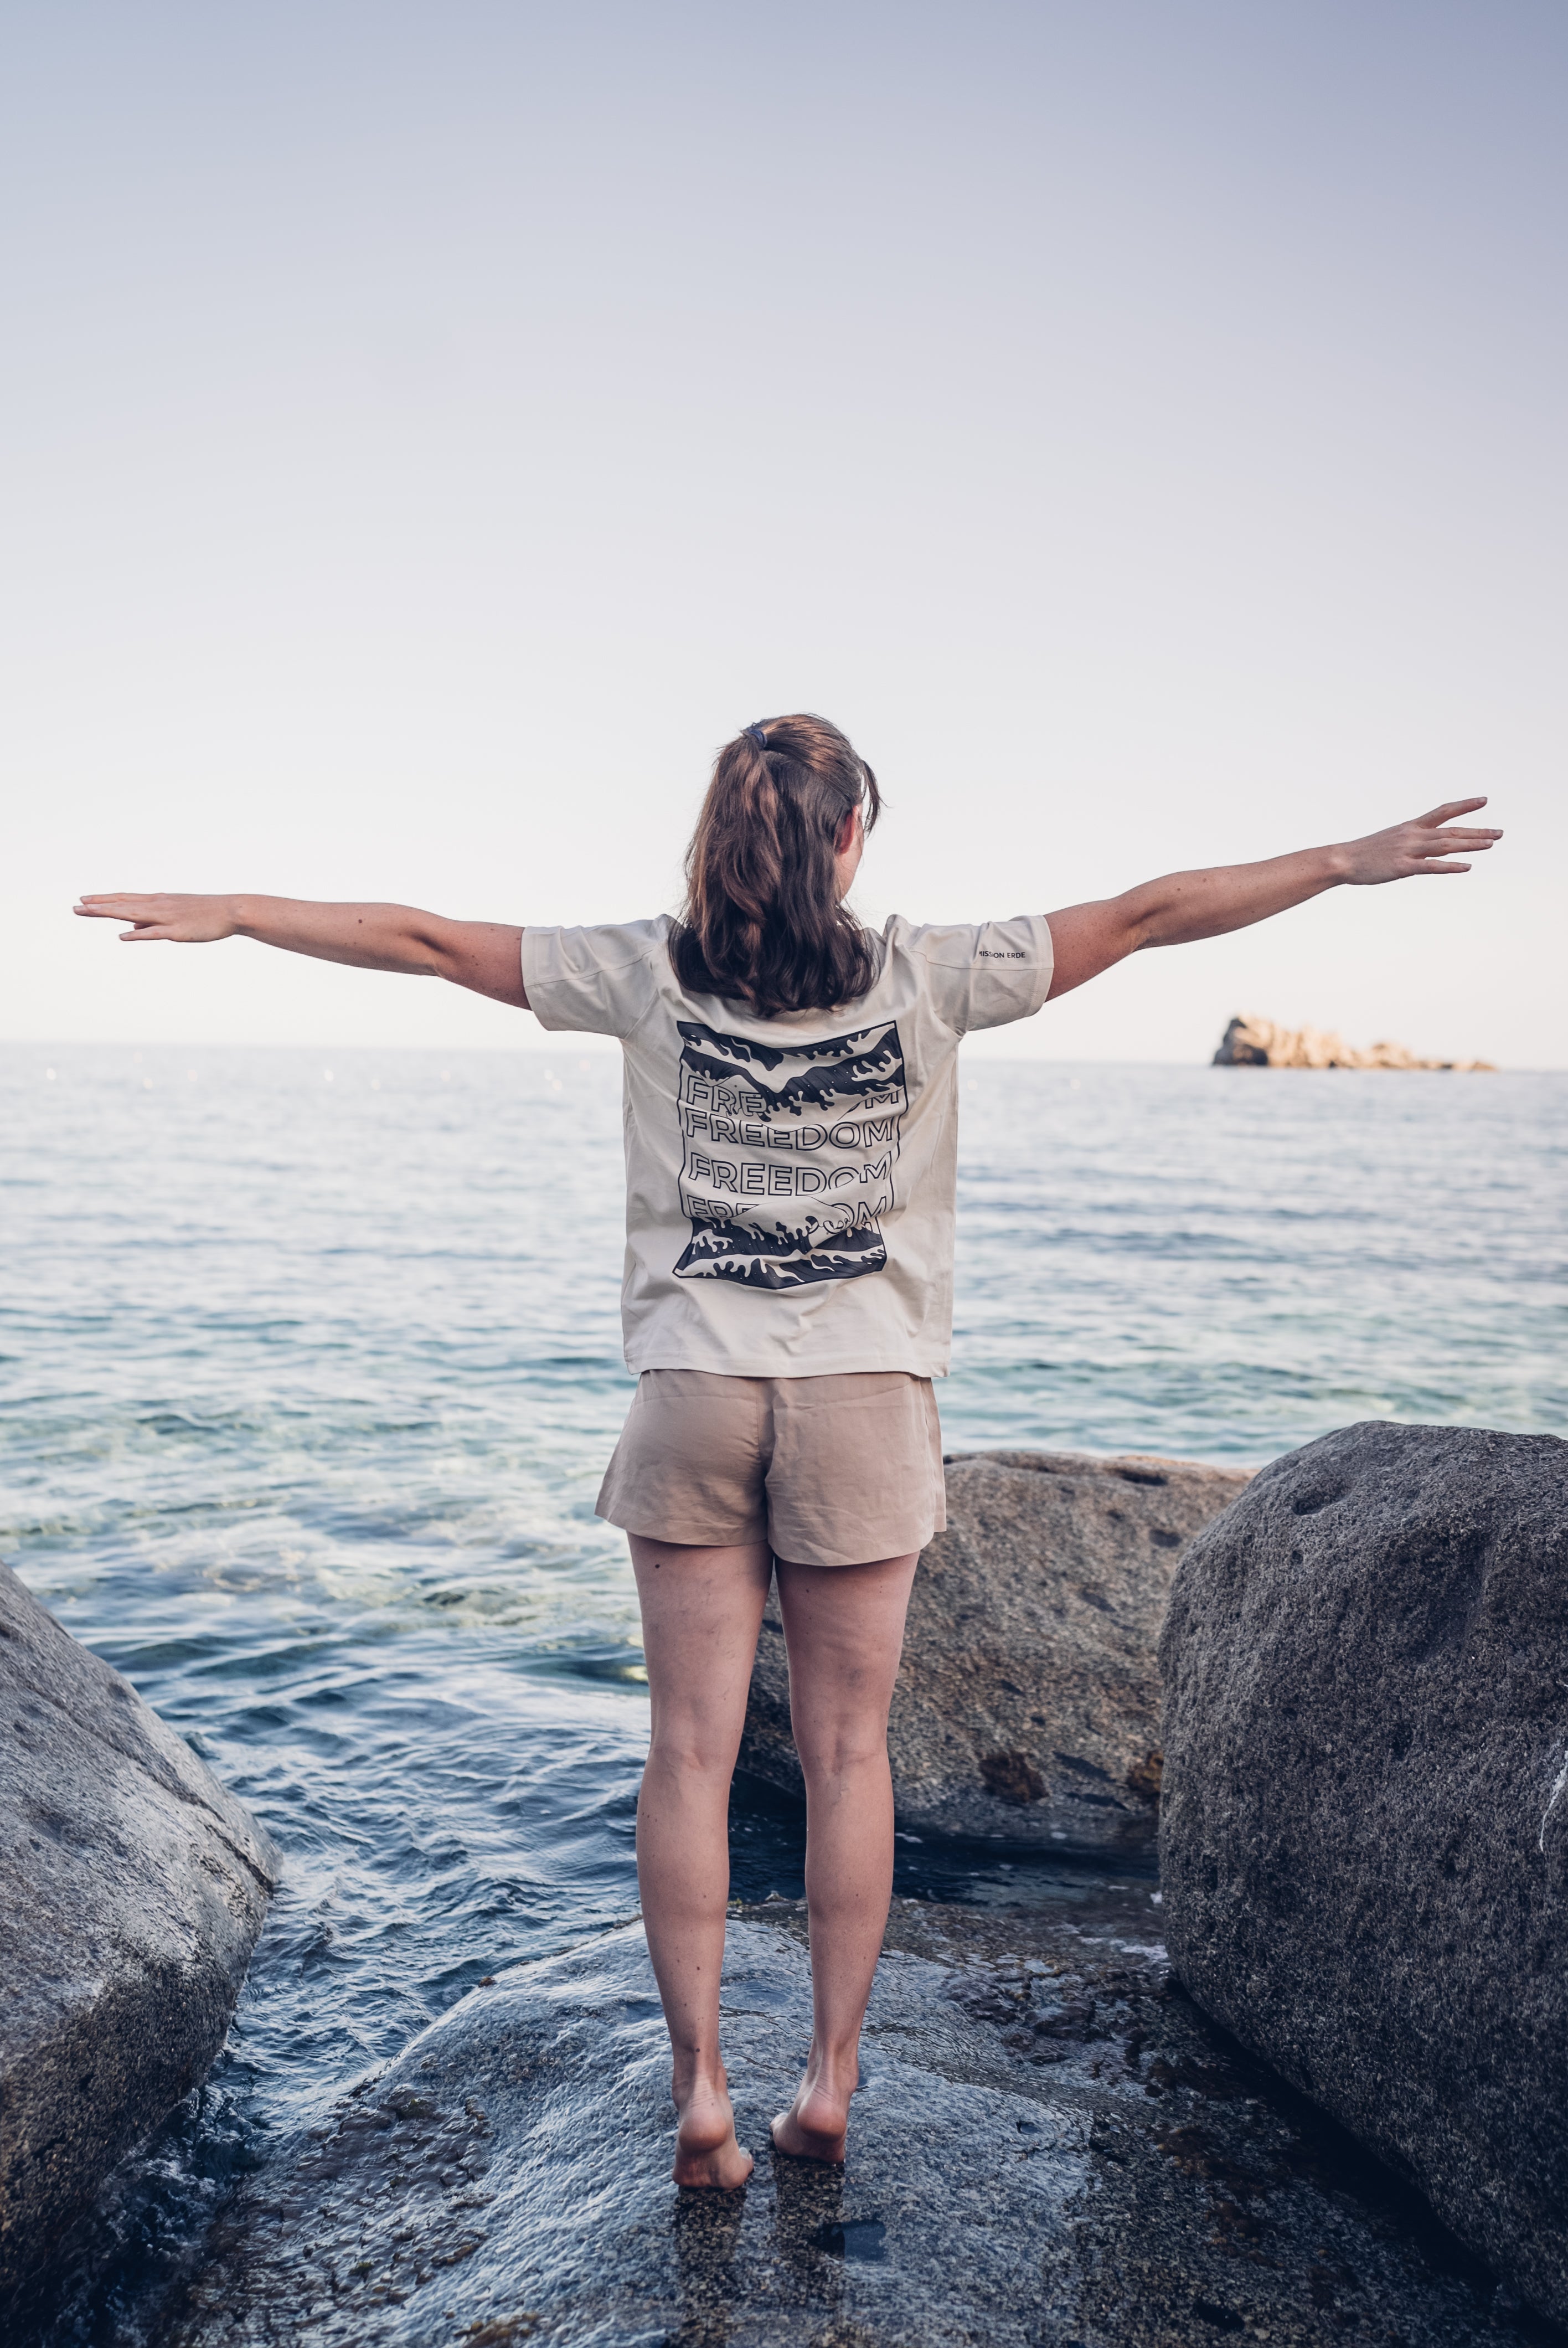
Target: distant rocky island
[1252, 1043]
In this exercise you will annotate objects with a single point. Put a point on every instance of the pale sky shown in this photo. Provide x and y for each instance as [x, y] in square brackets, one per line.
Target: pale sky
[429, 431]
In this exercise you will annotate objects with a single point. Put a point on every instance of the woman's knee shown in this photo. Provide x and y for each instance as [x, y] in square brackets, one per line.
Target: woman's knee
[693, 1751]
[841, 1748]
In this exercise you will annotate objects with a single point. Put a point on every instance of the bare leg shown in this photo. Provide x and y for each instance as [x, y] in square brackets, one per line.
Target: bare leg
[844, 1628]
[701, 1610]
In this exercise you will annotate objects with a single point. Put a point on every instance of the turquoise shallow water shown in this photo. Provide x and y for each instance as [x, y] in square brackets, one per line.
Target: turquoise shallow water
[310, 1366]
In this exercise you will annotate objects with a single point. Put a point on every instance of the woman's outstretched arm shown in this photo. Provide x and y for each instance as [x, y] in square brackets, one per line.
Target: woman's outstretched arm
[484, 955]
[1184, 906]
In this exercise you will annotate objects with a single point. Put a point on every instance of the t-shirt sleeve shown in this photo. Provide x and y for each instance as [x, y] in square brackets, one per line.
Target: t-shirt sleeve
[599, 981]
[984, 973]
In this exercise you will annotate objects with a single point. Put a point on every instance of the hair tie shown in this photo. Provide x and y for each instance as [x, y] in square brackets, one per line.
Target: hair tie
[757, 735]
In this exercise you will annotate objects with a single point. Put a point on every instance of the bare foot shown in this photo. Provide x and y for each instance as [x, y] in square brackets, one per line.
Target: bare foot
[814, 2127]
[706, 2152]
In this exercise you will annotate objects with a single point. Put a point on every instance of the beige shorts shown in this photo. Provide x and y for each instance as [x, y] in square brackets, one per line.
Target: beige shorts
[834, 1470]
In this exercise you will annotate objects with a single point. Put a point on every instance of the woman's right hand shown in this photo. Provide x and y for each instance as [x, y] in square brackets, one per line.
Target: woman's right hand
[187, 920]
[485, 956]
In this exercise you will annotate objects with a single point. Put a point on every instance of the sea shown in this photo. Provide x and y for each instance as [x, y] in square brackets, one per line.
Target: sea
[310, 1368]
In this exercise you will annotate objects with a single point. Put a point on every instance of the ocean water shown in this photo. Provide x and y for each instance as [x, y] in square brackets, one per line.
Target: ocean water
[310, 1366]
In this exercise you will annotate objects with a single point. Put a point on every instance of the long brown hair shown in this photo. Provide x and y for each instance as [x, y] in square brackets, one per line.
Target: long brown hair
[763, 922]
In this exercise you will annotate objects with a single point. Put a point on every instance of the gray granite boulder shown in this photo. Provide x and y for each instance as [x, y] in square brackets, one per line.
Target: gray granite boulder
[132, 1888]
[1049, 2145]
[1365, 1829]
[1027, 1707]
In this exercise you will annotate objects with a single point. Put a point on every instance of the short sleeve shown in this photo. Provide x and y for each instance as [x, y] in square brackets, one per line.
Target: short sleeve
[984, 974]
[602, 981]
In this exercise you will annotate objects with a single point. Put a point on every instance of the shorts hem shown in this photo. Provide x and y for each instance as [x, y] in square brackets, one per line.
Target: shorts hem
[898, 1544]
[689, 1535]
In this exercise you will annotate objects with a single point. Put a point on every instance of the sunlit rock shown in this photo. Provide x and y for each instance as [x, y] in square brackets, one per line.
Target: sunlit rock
[1253, 1043]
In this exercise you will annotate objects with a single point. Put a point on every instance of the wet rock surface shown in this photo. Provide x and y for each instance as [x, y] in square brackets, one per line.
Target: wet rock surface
[1364, 1838]
[1027, 1707]
[132, 1888]
[1049, 2143]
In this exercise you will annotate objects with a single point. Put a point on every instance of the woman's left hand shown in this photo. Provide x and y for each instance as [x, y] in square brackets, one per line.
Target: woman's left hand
[1423, 846]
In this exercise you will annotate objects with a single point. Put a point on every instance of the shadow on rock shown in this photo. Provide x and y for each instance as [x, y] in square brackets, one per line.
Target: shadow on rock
[706, 2227]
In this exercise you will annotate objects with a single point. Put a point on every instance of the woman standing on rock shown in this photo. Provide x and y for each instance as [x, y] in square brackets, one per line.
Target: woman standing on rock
[790, 1143]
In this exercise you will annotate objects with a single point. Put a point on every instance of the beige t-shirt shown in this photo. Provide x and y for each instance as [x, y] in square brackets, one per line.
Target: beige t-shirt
[790, 1182]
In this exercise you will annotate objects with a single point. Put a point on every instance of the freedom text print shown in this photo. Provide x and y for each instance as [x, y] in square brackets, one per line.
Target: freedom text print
[789, 1155]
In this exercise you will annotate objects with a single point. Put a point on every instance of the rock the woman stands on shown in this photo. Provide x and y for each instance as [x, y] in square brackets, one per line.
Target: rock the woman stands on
[791, 1146]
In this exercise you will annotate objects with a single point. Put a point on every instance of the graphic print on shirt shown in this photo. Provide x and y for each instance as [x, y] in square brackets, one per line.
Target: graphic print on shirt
[788, 1155]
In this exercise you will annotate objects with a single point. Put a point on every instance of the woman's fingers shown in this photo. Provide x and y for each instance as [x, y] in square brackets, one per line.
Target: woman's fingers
[105, 901]
[1425, 845]
[1451, 843]
[119, 908]
[148, 924]
[184, 920]
[1446, 813]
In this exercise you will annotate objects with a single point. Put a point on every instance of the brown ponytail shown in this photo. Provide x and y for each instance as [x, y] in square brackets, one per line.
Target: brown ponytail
[762, 924]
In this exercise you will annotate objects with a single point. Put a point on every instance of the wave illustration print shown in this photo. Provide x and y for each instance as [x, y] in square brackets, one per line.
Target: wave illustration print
[788, 1155]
